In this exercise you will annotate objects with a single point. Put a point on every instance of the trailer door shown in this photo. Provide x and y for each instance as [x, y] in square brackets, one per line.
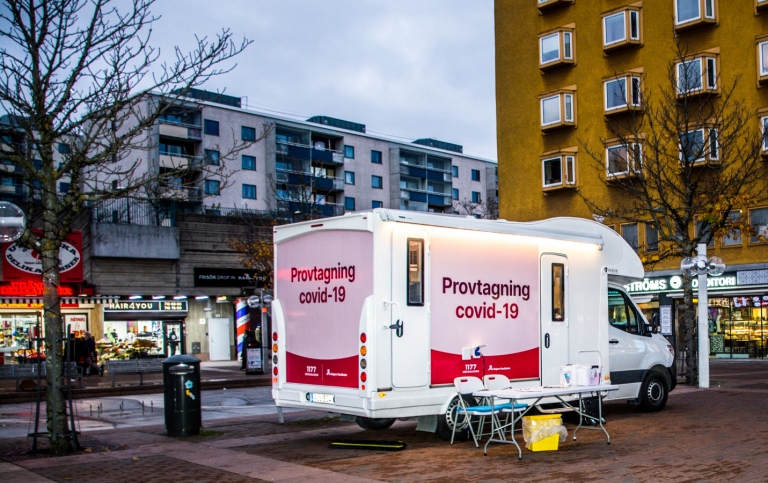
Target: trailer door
[554, 317]
[409, 313]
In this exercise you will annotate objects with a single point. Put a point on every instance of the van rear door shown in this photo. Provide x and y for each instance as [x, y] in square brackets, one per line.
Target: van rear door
[554, 317]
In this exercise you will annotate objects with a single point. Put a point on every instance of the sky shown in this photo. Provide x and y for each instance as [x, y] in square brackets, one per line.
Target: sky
[407, 69]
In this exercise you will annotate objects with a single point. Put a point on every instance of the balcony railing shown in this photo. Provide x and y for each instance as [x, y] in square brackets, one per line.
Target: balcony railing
[179, 161]
[301, 178]
[305, 151]
[180, 130]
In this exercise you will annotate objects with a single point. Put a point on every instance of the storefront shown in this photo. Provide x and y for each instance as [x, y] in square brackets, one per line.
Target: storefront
[143, 329]
[737, 310]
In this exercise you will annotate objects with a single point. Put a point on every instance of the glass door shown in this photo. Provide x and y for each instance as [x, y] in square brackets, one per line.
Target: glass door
[173, 337]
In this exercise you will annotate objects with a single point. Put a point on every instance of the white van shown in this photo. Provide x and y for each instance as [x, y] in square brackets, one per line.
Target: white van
[376, 313]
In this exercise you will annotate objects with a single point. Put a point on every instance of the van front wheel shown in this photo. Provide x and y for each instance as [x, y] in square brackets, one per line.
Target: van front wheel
[374, 424]
[654, 392]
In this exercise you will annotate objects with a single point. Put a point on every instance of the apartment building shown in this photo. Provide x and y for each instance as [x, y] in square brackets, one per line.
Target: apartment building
[567, 70]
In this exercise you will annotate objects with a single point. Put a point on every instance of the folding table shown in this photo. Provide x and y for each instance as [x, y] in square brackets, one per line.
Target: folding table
[537, 394]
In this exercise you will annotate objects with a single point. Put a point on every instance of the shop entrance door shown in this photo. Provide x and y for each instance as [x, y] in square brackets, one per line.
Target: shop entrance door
[218, 339]
[173, 337]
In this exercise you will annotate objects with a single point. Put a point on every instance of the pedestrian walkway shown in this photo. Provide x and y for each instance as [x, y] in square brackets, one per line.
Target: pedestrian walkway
[714, 434]
[213, 375]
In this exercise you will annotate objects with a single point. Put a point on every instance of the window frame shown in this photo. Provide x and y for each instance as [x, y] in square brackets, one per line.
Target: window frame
[736, 237]
[243, 165]
[631, 20]
[708, 78]
[475, 174]
[650, 247]
[708, 14]
[349, 201]
[697, 227]
[373, 157]
[349, 151]
[753, 240]
[761, 6]
[455, 193]
[477, 197]
[454, 171]
[380, 179]
[546, 5]
[376, 204]
[568, 166]
[706, 148]
[636, 245]
[566, 47]
[632, 95]
[349, 175]
[249, 186]
[764, 130]
[208, 187]
[634, 166]
[64, 148]
[761, 52]
[558, 298]
[567, 105]
[208, 127]
[420, 269]
[251, 137]
[212, 157]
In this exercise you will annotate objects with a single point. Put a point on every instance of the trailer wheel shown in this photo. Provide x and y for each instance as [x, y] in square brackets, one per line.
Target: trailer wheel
[654, 392]
[374, 424]
[445, 421]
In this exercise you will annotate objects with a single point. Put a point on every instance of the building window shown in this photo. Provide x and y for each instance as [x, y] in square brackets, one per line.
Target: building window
[733, 237]
[63, 187]
[455, 171]
[762, 59]
[545, 5]
[699, 145]
[558, 171]
[621, 29]
[689, 13]
[349, 152]
[211, 157]
[764, 127]
[651, 238]
[377, 182]
[629, 234]
[758, 218]
[63, 148]
[697, 76]
[349, 177]
[476, 198]
[377, 204]
[556, 48]
[249, 191]
[248, 133]
[704, 232]
[558, 110]
[475, 175]
[622, 93]
[211, 127]
[376, 157]
[761, 6]
[249, 163]
[349, 203]
[211, 187]
[623, 160]
[455, 193]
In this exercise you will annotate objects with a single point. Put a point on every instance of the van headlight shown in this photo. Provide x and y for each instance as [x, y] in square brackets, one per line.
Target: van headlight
[671, 349]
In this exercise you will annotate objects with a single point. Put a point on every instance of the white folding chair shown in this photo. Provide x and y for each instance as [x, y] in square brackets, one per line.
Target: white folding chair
[465, 387]
[500, 381]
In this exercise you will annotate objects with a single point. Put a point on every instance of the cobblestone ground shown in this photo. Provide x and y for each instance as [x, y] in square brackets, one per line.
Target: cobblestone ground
[716, 434]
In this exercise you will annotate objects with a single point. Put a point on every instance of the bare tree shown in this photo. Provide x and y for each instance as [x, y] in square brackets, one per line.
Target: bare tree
[488, 209]
[83, 74]
[688, 158]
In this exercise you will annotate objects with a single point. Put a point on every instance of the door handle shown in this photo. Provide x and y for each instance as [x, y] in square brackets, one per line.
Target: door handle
[398, 328]
[546, 341]
[613, 341]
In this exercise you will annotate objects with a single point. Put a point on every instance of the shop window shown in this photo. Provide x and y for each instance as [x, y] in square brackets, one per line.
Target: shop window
[758, 219]
[556, 48]
[697, 75]
[699, 146]
[622, 28]
[651, 238]
[623, 160]
[621, 312]
[733, 237]
[629, 234]
[547, 5]
[558, 109]
[622, 93]
[558, 170]
[415, 274]
[762, 59]
[694, 13]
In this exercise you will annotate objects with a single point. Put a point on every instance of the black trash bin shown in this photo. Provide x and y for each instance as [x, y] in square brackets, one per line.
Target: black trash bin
[181, 381]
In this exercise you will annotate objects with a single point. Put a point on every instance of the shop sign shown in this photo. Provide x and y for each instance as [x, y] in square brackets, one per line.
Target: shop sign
[666, 319]
[675, 282]
[229, 277]
[23, 264]
[146, 306]
[31, 288]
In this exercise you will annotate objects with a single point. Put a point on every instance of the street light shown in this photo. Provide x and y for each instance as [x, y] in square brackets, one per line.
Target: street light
[701, 266]
[12, 222]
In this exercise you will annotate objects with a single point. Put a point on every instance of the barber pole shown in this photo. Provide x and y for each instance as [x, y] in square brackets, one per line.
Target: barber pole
[242, 320]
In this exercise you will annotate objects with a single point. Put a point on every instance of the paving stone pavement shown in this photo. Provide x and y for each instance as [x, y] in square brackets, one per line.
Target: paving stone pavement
[715, 434]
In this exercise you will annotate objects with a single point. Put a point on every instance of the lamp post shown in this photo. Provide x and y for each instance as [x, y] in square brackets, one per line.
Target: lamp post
[701, 266]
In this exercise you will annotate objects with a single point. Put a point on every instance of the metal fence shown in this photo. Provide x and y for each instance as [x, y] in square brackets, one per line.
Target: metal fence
[127, 211]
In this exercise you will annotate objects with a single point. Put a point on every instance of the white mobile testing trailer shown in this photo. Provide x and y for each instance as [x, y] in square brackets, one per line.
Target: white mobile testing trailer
[376, 313]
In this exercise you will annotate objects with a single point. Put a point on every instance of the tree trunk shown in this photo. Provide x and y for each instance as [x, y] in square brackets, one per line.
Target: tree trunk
[56, 412]
[689, 334]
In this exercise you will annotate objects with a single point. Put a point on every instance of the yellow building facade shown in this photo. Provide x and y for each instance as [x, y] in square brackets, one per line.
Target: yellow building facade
[565, 69]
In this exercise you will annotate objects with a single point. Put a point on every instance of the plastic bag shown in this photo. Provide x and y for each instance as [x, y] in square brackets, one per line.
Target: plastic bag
[536, 429]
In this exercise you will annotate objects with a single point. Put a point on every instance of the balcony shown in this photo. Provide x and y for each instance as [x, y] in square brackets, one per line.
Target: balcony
[429, 197]
[303, 151]
[179, 161]
[175, 130]
[317, 183]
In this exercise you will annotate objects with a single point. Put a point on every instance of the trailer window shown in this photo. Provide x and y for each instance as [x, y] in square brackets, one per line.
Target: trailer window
[621, 312]
[415, 271]
[558, 292]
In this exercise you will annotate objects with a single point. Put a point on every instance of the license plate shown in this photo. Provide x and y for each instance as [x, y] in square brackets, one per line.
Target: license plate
[322, 398]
